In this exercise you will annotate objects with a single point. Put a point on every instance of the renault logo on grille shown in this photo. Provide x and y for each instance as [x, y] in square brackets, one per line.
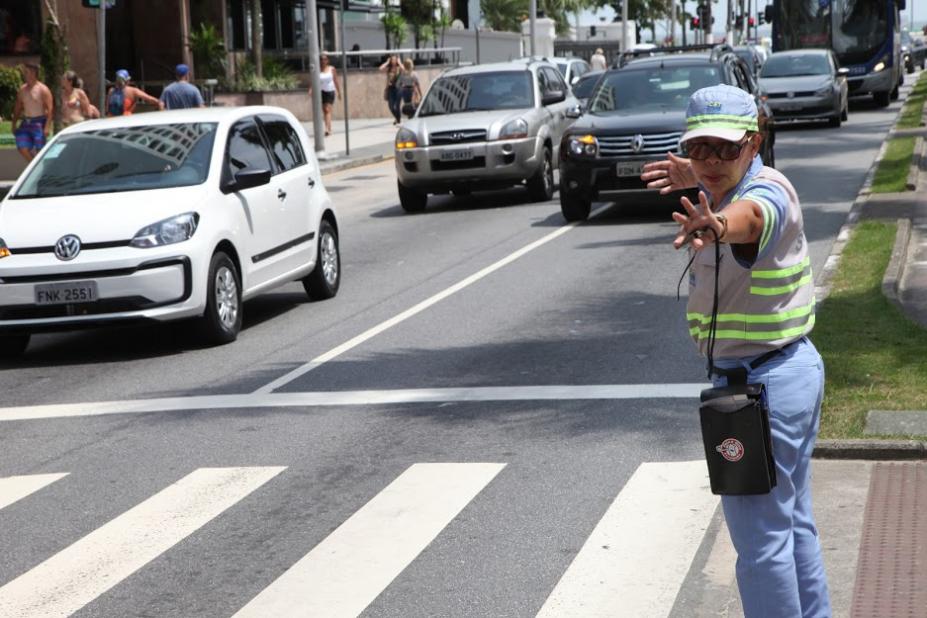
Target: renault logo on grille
[67, 247]
[637, 143]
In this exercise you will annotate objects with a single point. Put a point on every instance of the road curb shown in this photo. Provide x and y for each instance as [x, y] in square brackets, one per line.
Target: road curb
[340, 166]
[871, 449]
[916, 161]
[895, 270]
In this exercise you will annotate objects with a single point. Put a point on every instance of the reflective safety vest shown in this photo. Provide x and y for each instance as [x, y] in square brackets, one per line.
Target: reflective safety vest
[769, 303]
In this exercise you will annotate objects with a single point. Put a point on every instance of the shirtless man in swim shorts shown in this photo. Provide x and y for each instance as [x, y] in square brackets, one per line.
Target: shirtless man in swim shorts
[34, 104]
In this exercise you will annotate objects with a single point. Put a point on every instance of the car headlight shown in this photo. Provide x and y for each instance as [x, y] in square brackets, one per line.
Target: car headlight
[879, 66]
[167, 232]
[4, 251]
[514, 129]
[583, 145]
[406, 139]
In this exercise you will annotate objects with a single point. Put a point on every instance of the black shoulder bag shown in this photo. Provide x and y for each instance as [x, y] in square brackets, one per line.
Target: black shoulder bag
[735, 422]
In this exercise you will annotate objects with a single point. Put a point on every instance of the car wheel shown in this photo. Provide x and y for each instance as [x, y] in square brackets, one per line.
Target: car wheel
[894, 94]
[541, 184]
[881, 98]
[410, 199]
[573, 207]
[835, 120]
[323, 282]
[13, 345]
[222, 320]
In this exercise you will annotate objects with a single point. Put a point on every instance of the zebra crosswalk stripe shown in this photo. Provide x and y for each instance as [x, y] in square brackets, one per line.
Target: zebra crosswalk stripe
[14, 488]
[637, 557]
[356, 562]
[81, 572]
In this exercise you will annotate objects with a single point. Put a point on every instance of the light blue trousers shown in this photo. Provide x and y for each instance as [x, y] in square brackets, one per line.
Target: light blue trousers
[779, 568]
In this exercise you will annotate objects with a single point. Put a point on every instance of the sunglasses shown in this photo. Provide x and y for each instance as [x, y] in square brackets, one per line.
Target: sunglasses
[728, 151]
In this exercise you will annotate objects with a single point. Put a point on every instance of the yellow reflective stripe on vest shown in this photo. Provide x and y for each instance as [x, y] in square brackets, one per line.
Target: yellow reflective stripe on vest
[782, 289]
[754, 336]
[782, 272]
[755, 318]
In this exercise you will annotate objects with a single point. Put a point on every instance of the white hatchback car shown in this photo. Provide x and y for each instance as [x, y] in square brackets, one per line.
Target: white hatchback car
[164, 216]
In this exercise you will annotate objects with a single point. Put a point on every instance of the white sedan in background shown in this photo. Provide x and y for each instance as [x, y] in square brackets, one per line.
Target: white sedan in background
[163, 216]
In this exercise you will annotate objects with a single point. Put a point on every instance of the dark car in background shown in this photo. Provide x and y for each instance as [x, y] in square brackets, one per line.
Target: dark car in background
[584, 86]
[751, 57]
[913, 51]
[806, 84]
[637, 114]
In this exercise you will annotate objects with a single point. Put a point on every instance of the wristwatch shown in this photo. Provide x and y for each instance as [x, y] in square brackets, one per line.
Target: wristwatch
[723, 221]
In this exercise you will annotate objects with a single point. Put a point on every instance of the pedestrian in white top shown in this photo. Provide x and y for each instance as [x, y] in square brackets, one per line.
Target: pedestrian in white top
[328, 84]
[598, 61]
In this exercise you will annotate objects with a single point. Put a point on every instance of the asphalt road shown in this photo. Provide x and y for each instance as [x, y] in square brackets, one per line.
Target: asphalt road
[454, 327]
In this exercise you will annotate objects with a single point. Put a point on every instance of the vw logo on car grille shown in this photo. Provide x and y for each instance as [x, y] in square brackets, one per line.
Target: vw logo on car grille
[457, 137]
[67, 247]
[791, 95]
[637, 143]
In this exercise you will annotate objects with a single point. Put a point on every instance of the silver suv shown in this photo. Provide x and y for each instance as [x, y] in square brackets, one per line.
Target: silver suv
[489, 126]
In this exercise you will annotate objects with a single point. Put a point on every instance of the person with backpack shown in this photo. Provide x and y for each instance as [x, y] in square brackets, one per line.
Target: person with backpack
[122, 98]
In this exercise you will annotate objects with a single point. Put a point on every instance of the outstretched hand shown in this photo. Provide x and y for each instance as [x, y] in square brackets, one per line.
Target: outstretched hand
[671, 174]
[696, 224]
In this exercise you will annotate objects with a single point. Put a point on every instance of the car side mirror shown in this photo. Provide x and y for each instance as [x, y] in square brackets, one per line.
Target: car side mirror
[554, 96]
[247, 179]
[843, 72]
[574, 111]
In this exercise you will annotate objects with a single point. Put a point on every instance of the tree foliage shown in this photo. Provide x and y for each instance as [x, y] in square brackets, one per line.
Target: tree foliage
[55, 59]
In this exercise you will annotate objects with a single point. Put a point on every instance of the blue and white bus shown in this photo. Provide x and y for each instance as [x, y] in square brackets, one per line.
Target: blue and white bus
[864, 34]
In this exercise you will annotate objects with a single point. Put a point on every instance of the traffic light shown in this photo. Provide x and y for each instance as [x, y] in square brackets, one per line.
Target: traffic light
[751, 22]
[695, 23]
[761, 16]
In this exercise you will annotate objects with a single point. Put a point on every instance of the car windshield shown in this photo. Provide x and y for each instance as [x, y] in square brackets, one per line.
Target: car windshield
[479, 92]
[793, 65]
[583, 88]
[123, 159]
[746, 55]
[657, 88]
[562, 67]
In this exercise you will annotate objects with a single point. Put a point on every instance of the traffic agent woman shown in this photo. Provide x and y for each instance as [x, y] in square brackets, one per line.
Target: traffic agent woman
[765, 303]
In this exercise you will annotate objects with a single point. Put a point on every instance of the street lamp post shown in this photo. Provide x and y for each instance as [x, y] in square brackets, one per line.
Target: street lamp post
[312, 27]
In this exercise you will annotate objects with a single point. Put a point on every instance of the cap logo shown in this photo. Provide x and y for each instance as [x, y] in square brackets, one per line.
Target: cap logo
[731, 449]
[714, 105]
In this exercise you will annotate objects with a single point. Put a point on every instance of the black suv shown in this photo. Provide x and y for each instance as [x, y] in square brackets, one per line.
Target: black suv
[637, 114]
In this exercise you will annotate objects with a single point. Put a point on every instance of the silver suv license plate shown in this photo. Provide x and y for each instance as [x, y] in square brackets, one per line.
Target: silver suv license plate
[456, 155]
[66, 293]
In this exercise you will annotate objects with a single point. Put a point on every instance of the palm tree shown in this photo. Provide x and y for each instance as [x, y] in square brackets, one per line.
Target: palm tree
[505, 15]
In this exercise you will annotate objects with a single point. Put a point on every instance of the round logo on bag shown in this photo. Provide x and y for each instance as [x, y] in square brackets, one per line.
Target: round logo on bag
[731, 449]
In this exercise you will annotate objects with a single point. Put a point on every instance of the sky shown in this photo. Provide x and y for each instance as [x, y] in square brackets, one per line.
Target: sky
[719, 10]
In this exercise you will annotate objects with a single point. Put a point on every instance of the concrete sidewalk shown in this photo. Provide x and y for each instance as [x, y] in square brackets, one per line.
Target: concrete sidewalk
[370, 140]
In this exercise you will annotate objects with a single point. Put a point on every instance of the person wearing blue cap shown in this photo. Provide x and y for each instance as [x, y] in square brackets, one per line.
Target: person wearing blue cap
[182, 94]
[760, 298]
[122, 98]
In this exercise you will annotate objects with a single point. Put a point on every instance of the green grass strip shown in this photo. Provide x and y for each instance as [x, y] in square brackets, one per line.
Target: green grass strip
[874, 356]
[892, 173]
[913, 109]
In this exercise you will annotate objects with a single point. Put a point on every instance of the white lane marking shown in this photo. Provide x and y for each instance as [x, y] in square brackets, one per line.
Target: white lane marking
[13, 488]
[637, 557]
[80, 573]
[356, 398]
[356, 562]
[408, 313]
